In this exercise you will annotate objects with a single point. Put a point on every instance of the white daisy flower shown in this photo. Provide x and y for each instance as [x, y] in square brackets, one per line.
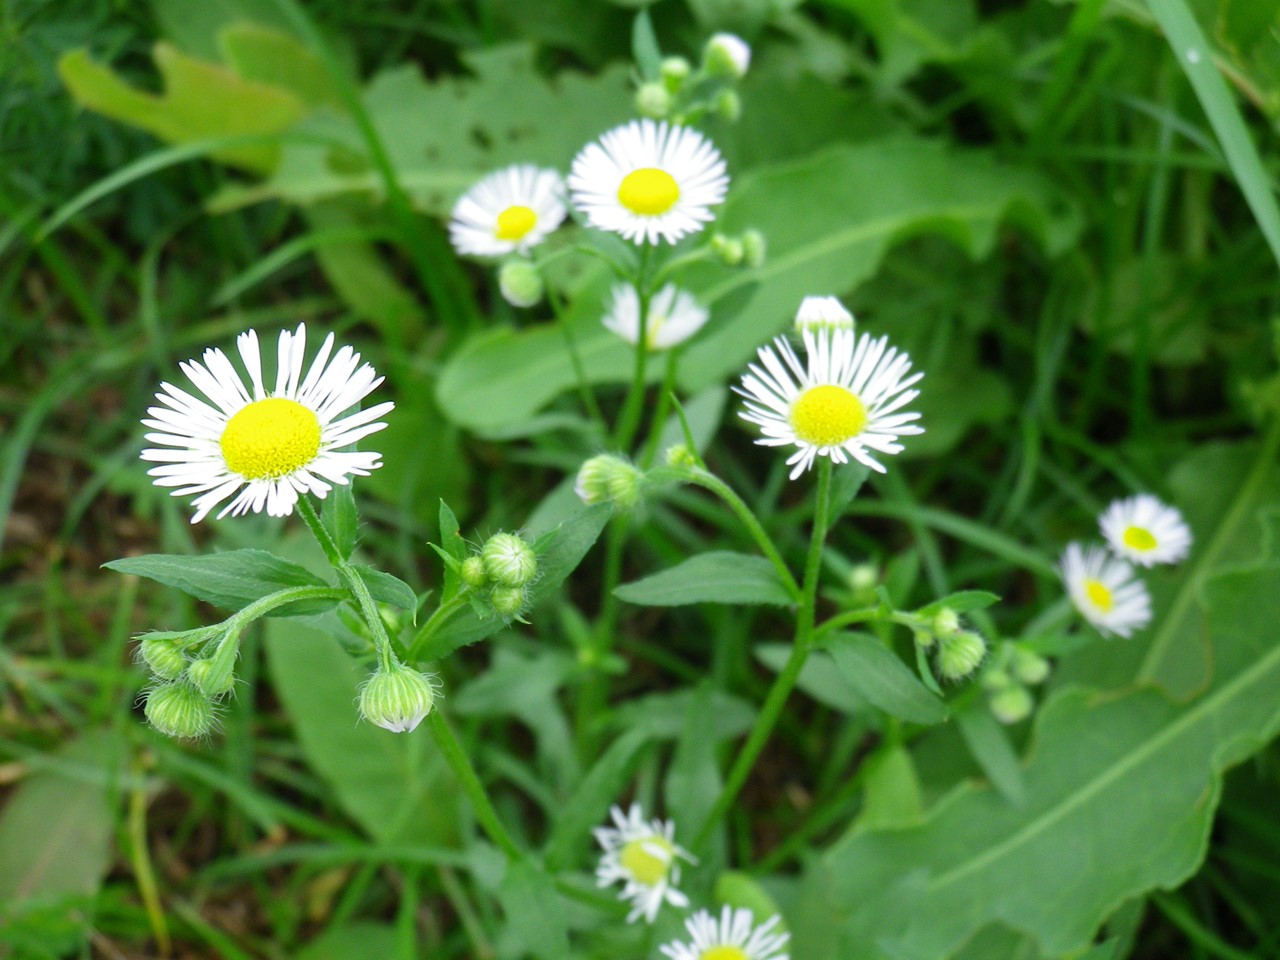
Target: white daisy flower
[674, 316]
[841, 404]
[648, 181]
[643, 855]
[1146, 531]
[1104, 590]
[818, 313]
[733, 938]
[508, 211]
[265, 448]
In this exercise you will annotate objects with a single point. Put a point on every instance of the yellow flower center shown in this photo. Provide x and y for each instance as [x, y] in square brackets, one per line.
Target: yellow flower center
[723, 953]
[514, 223]
[648, 859]
[1136, 538]
[648, 191]
[1099, 595]
[828, 415]
[270, 438]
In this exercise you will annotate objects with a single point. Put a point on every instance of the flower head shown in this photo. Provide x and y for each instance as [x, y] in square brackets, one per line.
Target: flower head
[843, 403]
[398, 698]
[674, 316]
[179, 710]
[508, 211]
[648, 181]
[263, 449]
[1104, 590]
[734, 937]
[643, 855]
[1146, 531]
[823, 313]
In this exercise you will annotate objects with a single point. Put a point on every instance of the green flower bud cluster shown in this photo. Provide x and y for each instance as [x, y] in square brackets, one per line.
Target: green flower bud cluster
[520, 283]
[501, 573]
[959, 651]
[608, 478]
[190, 674]
[745, 250]
[684, 95]
[397, 698]
[1006, 679]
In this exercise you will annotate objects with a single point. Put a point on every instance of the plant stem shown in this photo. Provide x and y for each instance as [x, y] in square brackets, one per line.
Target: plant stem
[660, 414]
[629, 419]
[466, 774]
[786, 680]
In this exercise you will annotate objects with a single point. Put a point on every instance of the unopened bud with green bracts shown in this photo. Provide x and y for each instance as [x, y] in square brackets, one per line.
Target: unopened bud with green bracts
[520, 283]
[753, 248]
[508, 560]
[473, 573]
[508, 600]
[726, 55]
[397, 698]
[728, 249]
[653, 100]
[960, 654]
[164, 657]
[210, 677]
[675, 71]
[607, 478]
[179, 710]
[1012, 704]
[1029, 667]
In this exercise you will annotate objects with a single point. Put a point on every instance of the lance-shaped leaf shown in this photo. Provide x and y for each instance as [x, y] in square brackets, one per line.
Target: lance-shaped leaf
[719, 576]
[231, 580]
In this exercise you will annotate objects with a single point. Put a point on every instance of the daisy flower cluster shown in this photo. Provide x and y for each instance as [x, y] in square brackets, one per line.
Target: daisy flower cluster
[643, 857]
[1102, 582]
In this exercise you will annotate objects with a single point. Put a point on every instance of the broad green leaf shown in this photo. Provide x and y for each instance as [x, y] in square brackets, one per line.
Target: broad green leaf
[739, 890]
[693, 778]
[989, 743]
[961, 602]
[278, 59]
[534, 910]
[877, 673]
[819, 678]
[720, 576]
[661, 715]
[56, 826]
[349, 940]
[1139, 800]
[891, 792]
[341, 519]
[396, 786]
[387, 588]
[231, 580]
[201, 101]
[559, 553]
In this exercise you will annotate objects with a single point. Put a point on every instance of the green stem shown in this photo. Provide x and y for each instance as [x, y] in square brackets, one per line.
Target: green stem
[595, 689]
[585, 392]
[452, 751]
[786, 680]
[909, 620]
[660, 415]
[629, 419]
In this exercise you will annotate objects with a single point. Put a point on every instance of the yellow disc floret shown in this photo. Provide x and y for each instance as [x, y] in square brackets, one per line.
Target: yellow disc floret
[648, 191]
[828, 415]
[514, 223]
[1138, 538]
[270, 438]
[647, 859]
[1099, 595]
[723, 953]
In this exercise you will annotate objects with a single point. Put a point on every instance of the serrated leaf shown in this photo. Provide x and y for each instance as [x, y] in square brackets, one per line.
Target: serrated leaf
[877, 674]
[719, 576]
[231, 580]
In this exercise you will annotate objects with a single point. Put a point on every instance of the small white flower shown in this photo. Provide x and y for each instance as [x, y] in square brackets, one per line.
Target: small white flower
[643, 855]
[733, 938]
[674, 316]
[818, 313]
[1146, 531]
[841, 404]
[1103, 589]
[648, 181]
[508, 211]
[267, 448]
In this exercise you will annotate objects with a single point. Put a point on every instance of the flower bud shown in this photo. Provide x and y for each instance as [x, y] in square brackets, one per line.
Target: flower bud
[520, 283]
[679, 455]
[473, 573]
[397, 698]
[753, 248]
[994, 680]
[607, 478]
[823, 313]
[653, 100]
[1030, 667]
[729, 105]
[727, 55]
[508, 560]
[163, 657]
[210, 679]
[508, 600]
[675, 71]
[728, 249]
[1012, 704]
[960, 653]
[945, 623]
[179, 710]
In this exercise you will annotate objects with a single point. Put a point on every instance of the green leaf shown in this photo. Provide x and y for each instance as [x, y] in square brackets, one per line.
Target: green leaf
[739, 890]
[231, 580]
[891, 795]
[338, 512]
[344, 941]
[201, 101]
[818, 678]
[989, 743]
[720, 576]
[386, 588]
[535, 912]
[396, 786]
[876, 672]
[278, 59]
[961, 602]
[693, 779]
[559, 552]
[452, 543]
[644, 46]
[56, 827]
[1140, 799]
[846, 481]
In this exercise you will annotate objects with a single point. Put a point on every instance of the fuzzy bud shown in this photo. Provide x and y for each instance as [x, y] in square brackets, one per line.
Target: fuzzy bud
[473, 573]
[508, 600]
[823, 313]
[945, 623]
[960, 653]
[994, 680]
[163, 657]
[210, 679]
[729, 105]
[1012, 704]
[679, 455]
[753, 248]
[727, 55]
[675, 71]
[728, 249]
[508, 560]
[520, 283]
[653, 100]
[397, 698]
[607, 478]
[1029, 667]
[179, 710]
